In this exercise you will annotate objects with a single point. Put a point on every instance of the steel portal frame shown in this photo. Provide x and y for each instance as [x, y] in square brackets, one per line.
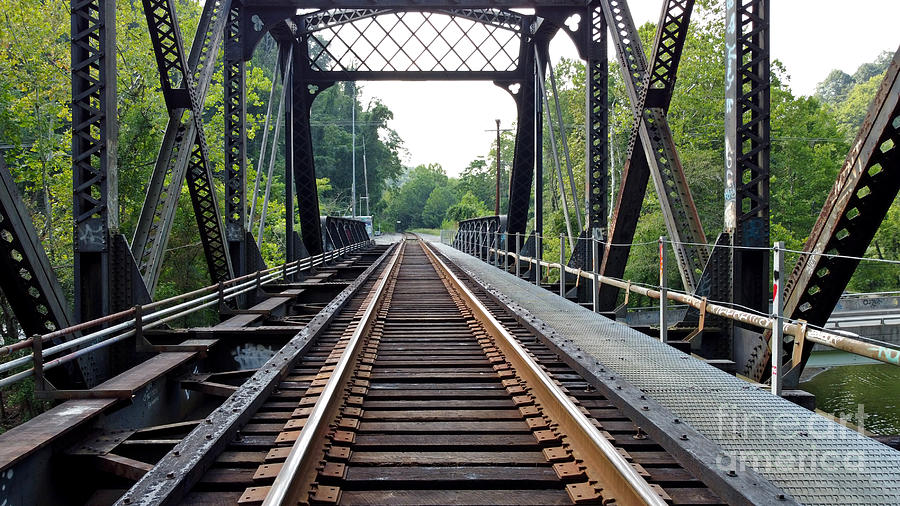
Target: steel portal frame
[435, 39]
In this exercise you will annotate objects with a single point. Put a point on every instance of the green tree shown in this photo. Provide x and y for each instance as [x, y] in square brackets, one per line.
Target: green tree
[468, 207]
[441, 198]
[405, 203]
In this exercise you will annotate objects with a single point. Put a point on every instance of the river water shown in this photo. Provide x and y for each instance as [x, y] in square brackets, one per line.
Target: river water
[847, 385]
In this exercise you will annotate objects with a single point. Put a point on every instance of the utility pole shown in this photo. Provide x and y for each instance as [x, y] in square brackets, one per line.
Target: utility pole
[366, 177]
[497, 191]
[353, 152]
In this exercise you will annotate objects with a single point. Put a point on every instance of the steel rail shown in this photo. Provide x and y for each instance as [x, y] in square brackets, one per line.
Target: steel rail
[602, 461]
[155, 319]
[839, 341]
[289, 484]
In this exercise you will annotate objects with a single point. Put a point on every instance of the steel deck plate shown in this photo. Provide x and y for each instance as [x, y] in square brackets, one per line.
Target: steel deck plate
[814, 459]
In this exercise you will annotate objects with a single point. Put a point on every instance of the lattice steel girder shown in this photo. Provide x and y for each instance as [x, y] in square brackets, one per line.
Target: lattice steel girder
[29, 282]
[327, 18]
[597, 114]
[206, 211]
[235, 113]
[747, 147]
[652, 136]
[94, 133]
[429, 41]
[26, 278]
[303, 161]
[671, 34]
[158, 212]
[866, 186]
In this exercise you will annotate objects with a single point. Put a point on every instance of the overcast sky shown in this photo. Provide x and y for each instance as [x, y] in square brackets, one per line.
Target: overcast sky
[451, 123]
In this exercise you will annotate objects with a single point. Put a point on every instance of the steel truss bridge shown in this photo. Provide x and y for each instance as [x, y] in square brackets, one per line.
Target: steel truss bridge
[412, 372]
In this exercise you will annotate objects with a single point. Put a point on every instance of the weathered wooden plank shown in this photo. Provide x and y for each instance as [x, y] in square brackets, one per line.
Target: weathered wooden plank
[440, 497]
[21, 441]
[525, 477]
[512, 426]
[455, 441]
[147, 371]
[447, 458]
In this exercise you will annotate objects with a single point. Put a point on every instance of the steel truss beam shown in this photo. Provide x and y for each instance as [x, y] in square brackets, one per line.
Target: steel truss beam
[181, 141]
[26, 277]
[412, 4]
[866, 186]
[340, 232]
[94, 133]
[597, 114]
[650, 91]
[747, 147]
[524, 152]
[235, 142]
[328, 18]
[303, 166]
[377, 44]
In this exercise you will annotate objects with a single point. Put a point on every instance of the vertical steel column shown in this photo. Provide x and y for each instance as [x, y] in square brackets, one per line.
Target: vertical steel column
[595, 266]
[524, 151]
[304, 167]
[235, 142]
[747, 146]
[287, 67]
[94, 134]
[597, 144]
[538, 151]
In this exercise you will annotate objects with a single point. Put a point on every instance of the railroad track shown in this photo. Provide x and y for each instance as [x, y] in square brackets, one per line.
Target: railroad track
[422, 391]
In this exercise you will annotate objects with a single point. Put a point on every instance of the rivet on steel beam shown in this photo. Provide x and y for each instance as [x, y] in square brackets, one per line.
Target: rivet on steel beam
[684, 437]
[676, 421]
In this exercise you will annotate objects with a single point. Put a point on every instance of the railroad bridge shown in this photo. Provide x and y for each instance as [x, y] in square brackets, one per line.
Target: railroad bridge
[413, 372]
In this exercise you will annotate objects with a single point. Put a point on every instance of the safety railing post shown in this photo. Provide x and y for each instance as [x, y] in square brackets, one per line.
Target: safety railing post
[37, 354]
[506, 252]
[497, 248]
[562, 265]
[778, 309]
[595, 264]
[663, 291]
[537, 258]
[482, 246]
[518, 265]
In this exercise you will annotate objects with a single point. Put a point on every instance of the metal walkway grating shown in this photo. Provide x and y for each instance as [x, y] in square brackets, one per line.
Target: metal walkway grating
[812, 458]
